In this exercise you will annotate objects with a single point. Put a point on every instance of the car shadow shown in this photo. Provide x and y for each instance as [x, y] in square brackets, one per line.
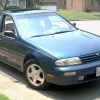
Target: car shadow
[87, 91]
[12, 73]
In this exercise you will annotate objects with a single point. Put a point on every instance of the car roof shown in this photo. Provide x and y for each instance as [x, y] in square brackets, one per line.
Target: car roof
[22, 12]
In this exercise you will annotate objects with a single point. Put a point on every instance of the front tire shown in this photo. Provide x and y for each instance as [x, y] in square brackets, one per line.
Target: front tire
[35, 75]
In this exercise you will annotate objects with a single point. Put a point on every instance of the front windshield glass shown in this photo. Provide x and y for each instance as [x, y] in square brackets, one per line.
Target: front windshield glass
[40, 24]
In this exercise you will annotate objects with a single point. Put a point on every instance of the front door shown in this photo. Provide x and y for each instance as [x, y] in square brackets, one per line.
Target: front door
[11, 50]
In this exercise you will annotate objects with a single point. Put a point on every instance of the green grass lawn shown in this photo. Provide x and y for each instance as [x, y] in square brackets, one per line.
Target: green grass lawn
[79, 15]
[2, 97]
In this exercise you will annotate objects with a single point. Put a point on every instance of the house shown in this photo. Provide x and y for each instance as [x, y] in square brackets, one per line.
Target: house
[70, 5]
[44, 4]
[61, 4]
[58, 4]
[74, 5]
[48, 4]
[19, 3]
[82, 5]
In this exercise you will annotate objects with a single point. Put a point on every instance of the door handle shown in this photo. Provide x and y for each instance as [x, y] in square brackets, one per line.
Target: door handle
[0, 39]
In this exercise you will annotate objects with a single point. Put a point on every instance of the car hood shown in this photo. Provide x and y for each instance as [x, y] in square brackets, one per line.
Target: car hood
[69, 44]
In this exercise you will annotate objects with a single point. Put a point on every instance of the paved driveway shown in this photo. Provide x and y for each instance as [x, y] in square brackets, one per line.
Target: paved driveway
[12, 82]
[90, 26]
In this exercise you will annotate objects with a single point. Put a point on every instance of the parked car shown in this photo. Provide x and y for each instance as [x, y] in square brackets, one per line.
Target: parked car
[48, 49]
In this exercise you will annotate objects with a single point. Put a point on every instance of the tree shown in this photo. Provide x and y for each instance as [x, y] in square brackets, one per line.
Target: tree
[29, 4]
[32, 4]
[36, 2]
[3, 3]
[98, 2]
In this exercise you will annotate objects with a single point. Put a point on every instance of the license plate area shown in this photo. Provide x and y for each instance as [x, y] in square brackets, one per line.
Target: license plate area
[97, 71]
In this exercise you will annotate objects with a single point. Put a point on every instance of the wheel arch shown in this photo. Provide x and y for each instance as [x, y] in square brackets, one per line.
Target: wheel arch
[29, 56]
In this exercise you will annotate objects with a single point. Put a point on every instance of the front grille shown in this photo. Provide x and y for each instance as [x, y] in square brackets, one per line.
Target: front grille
[90, 58]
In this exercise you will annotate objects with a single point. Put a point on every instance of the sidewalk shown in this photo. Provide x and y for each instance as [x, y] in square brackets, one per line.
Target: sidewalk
[19, 91]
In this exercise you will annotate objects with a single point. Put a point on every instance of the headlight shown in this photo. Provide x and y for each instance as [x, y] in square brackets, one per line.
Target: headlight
[68, 61]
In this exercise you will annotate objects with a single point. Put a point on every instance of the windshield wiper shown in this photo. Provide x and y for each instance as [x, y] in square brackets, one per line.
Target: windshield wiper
[52, 33]
[61, 32]
[36, 36]
[40, 35]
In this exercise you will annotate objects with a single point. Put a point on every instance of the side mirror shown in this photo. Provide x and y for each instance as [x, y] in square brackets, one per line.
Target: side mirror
[9, 33]
[74, 24]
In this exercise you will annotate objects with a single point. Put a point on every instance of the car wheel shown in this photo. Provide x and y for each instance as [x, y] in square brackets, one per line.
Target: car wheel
[35, 75]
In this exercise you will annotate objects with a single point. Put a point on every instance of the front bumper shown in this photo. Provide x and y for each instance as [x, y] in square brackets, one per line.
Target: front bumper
[86, 70]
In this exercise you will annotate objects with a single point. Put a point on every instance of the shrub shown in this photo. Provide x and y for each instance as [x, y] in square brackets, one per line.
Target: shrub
[12, 8]
[88, 10]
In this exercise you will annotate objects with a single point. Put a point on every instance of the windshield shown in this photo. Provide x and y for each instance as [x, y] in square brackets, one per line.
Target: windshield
[40, 24]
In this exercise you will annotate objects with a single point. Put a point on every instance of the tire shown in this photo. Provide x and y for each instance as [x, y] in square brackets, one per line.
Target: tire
[34, 75]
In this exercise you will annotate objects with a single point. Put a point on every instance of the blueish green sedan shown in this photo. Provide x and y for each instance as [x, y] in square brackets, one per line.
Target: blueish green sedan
[48, 49]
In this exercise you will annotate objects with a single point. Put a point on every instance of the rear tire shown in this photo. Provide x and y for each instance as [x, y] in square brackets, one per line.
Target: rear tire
[35, 75]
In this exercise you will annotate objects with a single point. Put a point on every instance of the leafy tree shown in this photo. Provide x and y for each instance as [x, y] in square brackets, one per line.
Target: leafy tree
[36, 2]
[3, 4]
[98, 2]
[29, 4]
[32, 4]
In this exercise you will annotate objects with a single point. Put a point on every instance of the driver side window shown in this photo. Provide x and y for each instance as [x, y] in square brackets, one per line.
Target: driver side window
[9, 27]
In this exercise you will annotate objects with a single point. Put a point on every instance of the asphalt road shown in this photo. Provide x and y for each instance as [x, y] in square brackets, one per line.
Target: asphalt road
[87, 91]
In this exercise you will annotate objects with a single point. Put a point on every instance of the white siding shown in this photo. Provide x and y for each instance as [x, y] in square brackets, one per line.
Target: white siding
[51, 7]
